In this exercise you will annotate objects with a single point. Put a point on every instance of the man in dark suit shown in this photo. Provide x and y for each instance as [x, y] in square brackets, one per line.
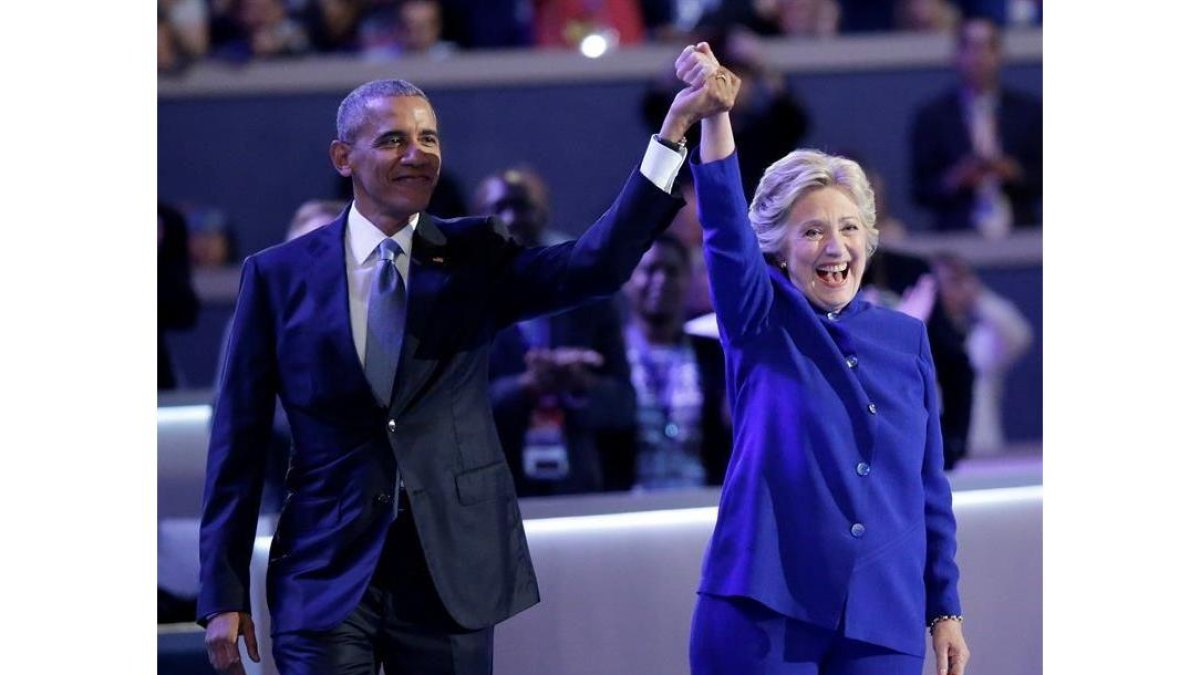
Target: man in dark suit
[976, 150]
[400, 541]
[559, 384]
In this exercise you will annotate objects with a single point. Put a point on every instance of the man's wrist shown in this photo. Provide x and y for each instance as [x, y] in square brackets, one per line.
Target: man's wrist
[676, 145]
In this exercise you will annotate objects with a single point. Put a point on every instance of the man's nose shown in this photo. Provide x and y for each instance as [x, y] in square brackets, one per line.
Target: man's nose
[414, 155]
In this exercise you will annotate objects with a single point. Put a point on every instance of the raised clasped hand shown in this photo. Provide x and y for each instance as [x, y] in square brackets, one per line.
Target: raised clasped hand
[712, 88]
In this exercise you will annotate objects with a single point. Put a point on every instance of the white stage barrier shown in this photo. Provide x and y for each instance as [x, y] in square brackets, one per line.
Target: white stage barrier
[618, 575]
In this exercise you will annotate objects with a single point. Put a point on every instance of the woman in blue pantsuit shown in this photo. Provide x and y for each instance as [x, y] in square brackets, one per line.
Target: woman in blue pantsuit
[834, 544]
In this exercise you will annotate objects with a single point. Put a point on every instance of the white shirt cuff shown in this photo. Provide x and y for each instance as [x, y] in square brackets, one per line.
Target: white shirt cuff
[660, 164]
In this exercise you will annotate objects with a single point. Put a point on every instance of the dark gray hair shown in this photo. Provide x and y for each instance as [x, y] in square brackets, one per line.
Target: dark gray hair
[353, 109]
[795, 175]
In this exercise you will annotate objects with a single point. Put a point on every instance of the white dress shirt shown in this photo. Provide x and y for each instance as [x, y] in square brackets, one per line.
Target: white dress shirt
[660, 165]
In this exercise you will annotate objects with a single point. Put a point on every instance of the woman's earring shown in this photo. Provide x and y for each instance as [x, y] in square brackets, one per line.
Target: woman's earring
[783, 264]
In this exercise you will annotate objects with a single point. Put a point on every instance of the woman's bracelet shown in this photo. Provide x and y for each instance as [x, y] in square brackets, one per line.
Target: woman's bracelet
[945, 617]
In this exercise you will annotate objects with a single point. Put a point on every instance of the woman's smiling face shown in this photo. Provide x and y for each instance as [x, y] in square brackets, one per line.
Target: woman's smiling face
[826, 248]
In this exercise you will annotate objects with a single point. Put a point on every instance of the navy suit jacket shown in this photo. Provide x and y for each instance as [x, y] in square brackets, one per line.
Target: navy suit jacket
[835, 500]
[939, 139]
[291, 336]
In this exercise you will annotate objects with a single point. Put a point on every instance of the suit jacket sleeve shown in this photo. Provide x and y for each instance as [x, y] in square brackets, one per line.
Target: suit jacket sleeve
[541, 280]
[237, 452]
[741, 287]
[941, 572]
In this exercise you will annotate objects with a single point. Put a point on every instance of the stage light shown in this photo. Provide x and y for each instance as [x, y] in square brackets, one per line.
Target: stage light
[594, 45]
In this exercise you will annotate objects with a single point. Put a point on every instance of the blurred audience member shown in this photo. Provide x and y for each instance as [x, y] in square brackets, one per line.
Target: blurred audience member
[683, 425]
[178, 305]
[867, 16]
[675, 20]
[566, 23]
[182, 33]
[684, 20]
[313, 214]
[559, 384]
[332, 25]
[489, 25]
[769, 119]
[1010, 13]
[258, 29]
[806, 18]
[210, 239]
[976, 150]
[997, 336]
[408, 28]
[927, 16]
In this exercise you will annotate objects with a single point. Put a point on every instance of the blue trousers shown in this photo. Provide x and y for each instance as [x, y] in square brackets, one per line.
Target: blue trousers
[740, 636]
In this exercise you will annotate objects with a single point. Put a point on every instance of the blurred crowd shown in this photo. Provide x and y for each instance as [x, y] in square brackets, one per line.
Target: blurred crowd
[629, 393]
[239, 31]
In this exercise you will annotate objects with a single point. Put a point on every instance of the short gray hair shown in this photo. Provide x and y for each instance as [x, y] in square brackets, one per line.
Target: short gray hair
[353, 109]
[795, 175]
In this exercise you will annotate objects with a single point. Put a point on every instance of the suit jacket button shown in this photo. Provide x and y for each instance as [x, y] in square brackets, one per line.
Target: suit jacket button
[872, 408]
[862, 468]
[392, 426]
[852, 361]
[383, 498]
[858, 530]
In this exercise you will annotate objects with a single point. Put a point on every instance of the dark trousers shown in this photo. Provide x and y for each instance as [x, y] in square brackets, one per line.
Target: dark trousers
[400, 624]
[739, 636]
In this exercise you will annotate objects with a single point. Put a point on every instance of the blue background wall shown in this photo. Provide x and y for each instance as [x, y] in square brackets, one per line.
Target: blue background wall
[258, 157]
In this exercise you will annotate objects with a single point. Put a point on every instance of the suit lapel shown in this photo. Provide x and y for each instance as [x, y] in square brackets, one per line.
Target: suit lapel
[330, 298]
[427, 274]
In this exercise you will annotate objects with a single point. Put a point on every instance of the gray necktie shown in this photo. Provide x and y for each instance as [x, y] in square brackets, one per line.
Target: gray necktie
[386, 306]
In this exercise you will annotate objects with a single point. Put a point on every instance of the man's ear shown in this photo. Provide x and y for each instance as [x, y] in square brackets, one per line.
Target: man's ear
[339, 154]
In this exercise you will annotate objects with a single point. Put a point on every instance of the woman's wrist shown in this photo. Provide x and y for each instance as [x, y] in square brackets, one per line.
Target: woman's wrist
[943, 617]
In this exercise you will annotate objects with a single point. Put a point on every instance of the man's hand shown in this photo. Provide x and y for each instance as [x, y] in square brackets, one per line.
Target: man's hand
[966, 174]
[221, 639]
[711, 90]
[950, 648]
[576, 365]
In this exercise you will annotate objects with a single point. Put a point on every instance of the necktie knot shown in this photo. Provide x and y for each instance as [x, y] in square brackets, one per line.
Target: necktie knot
[388, 249]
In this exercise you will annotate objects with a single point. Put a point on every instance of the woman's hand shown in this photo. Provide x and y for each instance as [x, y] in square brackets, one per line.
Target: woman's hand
[711, 91]
[696, 63]
[950, 648]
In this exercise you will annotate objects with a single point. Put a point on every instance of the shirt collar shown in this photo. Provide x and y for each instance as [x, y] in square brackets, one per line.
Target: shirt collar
[364, 237]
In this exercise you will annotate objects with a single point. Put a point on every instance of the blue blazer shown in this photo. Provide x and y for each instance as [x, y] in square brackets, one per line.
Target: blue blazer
[291, 337]
[835, 500]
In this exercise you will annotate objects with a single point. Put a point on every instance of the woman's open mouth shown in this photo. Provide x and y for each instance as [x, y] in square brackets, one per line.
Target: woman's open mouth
[833, 275]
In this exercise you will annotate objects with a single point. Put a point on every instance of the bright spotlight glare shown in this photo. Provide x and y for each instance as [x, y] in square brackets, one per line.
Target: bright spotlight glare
[593, 46]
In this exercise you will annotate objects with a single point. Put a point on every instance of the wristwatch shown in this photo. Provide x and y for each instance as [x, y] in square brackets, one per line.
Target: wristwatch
[677, 147]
